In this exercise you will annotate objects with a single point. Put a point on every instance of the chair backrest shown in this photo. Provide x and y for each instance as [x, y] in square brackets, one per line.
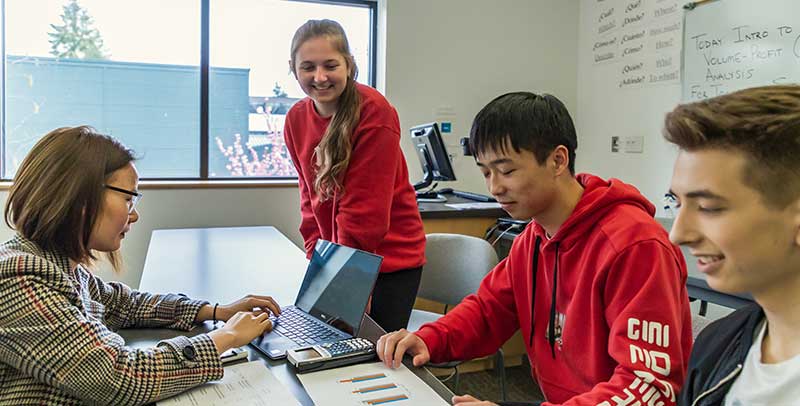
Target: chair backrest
[455, 266]
[698, 324]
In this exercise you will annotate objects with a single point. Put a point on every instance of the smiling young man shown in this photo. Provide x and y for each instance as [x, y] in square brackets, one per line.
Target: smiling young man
[593, 281]
[737, 183]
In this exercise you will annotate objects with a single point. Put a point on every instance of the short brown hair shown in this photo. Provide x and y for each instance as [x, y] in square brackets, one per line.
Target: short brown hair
[763, 123]
[58, 189]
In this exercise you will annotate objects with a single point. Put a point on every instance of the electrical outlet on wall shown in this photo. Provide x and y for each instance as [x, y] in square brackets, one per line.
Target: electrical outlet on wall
[634, 144]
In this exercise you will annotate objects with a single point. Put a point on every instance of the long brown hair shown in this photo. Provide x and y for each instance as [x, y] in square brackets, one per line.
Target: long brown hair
[58, 190]
[335, 148]
[763, 123]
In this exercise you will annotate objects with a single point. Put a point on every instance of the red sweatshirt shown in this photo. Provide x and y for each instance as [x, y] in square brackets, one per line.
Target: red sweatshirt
[378, 210]
[621, 320]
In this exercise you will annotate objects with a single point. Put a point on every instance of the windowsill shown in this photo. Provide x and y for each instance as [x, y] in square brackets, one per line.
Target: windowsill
[202, 184]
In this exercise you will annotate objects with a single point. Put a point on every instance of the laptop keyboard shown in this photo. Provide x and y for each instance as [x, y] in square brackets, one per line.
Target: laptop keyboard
[302, 328]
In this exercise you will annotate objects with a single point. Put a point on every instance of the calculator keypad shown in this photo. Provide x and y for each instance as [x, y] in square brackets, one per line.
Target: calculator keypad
[348, 346]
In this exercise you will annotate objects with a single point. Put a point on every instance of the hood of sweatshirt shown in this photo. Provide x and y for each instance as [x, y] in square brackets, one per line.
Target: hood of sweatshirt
[599, 196]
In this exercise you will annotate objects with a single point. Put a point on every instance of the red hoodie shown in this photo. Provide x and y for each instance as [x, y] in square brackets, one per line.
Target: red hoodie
[622, 325]
[378, 210]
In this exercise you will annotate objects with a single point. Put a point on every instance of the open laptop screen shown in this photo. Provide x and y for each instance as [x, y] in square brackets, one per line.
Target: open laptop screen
[337, 285]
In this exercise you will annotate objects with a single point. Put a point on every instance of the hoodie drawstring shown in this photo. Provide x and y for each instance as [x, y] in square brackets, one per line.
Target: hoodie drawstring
[551, 336]
[533, 282]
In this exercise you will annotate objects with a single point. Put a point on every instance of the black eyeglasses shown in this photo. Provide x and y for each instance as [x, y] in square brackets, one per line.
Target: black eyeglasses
[670, 205]
[136, 196]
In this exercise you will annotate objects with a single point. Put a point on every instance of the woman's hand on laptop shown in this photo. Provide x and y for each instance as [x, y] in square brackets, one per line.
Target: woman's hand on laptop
[240, 329]
[250, 303]
[392, 346]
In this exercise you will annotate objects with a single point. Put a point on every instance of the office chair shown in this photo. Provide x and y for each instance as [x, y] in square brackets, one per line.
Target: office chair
[699, 322]
[455, 266]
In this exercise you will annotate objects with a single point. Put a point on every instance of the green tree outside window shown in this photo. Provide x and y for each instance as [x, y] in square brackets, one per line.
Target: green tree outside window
[76, 38]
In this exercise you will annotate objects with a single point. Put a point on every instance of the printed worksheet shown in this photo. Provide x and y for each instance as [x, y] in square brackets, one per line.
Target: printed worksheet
[369, 385]
[249, 383]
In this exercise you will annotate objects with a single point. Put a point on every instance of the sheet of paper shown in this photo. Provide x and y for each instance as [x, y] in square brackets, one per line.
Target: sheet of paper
[249, 383]
[369, 385]
[476, 205]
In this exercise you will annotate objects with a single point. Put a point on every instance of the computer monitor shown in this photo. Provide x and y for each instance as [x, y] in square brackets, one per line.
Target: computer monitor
[432, 155]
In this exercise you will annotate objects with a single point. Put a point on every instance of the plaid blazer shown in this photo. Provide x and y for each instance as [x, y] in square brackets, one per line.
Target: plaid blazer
[57, 340]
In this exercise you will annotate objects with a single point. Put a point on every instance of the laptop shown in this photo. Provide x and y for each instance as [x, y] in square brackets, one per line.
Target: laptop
[330, 304]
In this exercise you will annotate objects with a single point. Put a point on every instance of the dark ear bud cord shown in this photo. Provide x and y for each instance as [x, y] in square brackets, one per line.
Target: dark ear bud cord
[551, 334]
[534, 271]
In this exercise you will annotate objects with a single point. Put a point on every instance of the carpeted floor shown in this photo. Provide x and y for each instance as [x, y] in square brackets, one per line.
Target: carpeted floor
[485, 385]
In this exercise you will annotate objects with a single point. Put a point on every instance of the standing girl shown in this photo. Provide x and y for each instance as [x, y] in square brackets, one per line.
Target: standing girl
[344, 140]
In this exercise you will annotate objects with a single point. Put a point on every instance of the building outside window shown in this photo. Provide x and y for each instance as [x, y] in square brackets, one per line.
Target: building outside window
[134, 71]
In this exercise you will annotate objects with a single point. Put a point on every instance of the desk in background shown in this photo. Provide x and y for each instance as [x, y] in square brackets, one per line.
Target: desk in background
[439, 218]
[698, 289]
[222, 265]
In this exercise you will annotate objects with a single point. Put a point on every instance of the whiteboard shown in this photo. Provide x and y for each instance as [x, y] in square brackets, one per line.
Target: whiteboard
[735, 44]
[608, 107]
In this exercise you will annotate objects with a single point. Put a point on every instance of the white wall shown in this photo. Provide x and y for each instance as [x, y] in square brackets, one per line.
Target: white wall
[604, 110]
[448, 58]
[454, 53]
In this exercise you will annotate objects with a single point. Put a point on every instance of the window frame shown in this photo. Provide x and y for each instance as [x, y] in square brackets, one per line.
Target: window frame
[205, 14]
[3, 90]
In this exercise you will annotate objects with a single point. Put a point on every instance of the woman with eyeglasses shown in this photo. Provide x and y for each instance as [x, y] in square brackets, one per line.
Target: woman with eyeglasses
[74, 197]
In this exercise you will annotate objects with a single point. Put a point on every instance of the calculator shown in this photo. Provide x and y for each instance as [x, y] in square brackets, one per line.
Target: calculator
[331, 355]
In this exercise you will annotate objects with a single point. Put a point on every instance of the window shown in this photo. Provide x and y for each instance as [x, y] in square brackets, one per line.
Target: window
[198, 88]
[250, 41]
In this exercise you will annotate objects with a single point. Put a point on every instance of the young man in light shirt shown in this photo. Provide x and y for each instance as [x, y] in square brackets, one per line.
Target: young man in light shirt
[736, 182]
